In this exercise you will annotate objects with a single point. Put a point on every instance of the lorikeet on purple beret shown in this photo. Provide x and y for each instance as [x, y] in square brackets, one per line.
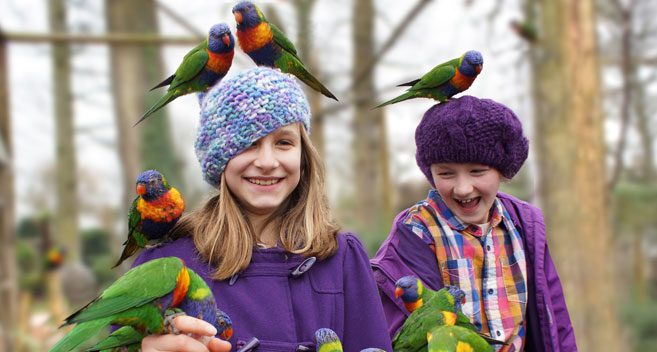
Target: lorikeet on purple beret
[268, 46]
[200, 69]
[153, 213]
[147, 298]
[444, 80]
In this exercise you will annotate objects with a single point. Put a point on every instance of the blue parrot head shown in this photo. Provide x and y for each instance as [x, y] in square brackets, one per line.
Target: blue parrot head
[471, 63]
[247, 15]
[409, 288]
[459, 296]
[224, 325]
[220, 39]
[151, 185]
[325, 336]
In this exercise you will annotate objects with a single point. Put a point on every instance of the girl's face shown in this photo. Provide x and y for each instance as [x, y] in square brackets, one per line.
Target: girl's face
[263, 175]
[468, 190]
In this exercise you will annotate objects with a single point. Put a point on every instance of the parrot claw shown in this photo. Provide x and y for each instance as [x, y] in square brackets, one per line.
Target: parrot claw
[169, 325]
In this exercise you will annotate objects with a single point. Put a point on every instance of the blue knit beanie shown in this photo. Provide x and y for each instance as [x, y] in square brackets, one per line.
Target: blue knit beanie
[471, 130]
[239, 111]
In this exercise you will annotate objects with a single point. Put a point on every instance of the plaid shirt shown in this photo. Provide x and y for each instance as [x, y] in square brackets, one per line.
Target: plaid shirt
[489, 267]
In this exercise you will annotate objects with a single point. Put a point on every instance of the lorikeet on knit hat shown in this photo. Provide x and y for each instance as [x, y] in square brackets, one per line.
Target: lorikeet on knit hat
[237, 112]
[471, 130]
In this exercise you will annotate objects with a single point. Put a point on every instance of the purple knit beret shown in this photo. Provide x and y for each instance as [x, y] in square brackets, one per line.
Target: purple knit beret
[239, 111]
[471, 130]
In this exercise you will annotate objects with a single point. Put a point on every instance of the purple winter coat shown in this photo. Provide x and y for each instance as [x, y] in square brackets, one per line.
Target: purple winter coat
[282, 311]
[548, 323]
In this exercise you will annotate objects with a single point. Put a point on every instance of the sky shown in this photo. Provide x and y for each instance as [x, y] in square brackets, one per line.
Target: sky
[442, 31]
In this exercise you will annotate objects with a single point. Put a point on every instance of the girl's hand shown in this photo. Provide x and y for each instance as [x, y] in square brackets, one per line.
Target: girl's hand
[202, 339]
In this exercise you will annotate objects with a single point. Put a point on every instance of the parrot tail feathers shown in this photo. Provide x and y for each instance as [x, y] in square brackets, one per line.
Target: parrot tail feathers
[306, 77]
[405, 96]
[162, 102]
[166, 82]
[131, 247]
[80, 333]
[409, 84]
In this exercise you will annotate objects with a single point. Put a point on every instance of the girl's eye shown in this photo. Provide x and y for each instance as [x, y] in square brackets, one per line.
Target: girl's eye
[285, 142]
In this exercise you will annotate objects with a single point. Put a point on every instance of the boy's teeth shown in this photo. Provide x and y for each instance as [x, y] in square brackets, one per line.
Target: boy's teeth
[263, 182]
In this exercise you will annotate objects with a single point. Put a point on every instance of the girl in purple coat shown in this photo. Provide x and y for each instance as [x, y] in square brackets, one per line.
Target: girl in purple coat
[467, 233]
[274, 261]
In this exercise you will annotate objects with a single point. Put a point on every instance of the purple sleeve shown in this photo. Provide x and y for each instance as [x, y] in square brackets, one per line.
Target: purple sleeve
[362, 307]
[395, 316]
[566, 335]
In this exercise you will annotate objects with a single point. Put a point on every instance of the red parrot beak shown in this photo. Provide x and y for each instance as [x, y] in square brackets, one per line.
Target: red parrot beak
[226, 334]
[238, 17]
[141, 189]
[479, 68]
[398, 292]
[226, 39]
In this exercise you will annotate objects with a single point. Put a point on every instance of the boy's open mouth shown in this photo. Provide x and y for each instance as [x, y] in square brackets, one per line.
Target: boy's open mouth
[468, 203]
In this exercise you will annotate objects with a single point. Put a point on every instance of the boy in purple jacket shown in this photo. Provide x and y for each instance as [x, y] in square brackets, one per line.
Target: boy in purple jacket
[265, 245]
[467, 233]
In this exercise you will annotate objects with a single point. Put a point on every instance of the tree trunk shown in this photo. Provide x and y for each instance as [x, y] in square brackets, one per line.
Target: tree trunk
[369, 141]
[8, 280]
[570, 150]
[304, 44]
[135, 69]
[66, 209]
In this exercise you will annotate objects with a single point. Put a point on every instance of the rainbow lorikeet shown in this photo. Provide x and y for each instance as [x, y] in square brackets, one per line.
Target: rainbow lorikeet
[456, 339]
[444, 80]
[200, 69]
[440, 310]
[326, 340]
[413, 293]
[525, 30]
[146, 297]
[153, 213]
[55, 257]
[128, 339]
[268, 46]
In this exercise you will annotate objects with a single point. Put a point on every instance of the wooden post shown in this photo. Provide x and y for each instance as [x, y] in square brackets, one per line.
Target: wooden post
[8, 283]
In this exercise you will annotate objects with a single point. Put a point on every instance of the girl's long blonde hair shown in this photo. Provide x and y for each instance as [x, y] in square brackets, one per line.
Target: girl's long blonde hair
[225, 238]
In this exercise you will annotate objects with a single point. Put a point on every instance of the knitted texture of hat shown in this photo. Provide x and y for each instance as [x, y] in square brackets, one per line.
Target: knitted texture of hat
[471, 130]
[239, 111]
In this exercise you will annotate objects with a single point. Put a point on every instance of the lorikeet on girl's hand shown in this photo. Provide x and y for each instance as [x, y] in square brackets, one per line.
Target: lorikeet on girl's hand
[268, 46]
[153, 213]
[200, 69]
[128, 339]
[146, 297]
[444, 80]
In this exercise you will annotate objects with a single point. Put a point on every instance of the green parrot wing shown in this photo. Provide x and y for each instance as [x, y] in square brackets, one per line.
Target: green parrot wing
[123, 337]
[138, 286]
[437, 76]
[413, 334]
[282, 41]
[134, 218]
[192, 65]
[456, 338]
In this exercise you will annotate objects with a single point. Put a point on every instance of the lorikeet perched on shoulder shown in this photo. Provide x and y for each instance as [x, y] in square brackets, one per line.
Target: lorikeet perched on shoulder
[456, 339]
[153, 213]
[268, 46]
[201, 68]
[146, 298]
[444, 80]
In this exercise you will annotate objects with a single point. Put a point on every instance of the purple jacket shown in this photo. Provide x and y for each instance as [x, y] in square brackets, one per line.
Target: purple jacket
[282, 311]
[548, 323]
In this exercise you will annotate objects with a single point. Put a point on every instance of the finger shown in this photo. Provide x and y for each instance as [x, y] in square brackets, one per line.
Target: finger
[191, 325]
[172, 343]
[218, 345]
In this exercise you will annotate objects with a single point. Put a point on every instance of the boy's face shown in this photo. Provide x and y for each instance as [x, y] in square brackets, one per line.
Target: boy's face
[469, 190]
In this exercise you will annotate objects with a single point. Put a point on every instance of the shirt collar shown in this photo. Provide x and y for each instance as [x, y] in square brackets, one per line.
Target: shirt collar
[496, 215]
